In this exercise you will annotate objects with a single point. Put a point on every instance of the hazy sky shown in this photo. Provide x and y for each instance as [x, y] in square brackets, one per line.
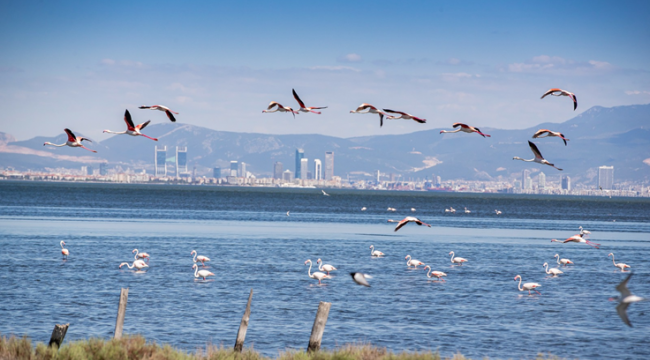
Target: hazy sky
[80, 64]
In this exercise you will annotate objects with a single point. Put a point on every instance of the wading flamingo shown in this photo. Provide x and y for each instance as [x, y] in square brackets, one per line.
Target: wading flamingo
[625, 300]
[280, 108]
[412, 262]
[360, 278]
[578, 239]
[374, 252]
[316, 275]
[438, 274]
[546, 133]
[165, 109]
[139, 255]
[554, 272]
[527, 286]
[325, 267]
[138, 264]
[303, 108]
[407, 220]
[201, 273]
[200, 258]
[619, 265]
[64, 251]
[467, 211]
[498, 212]
[564, 262]
[458, 260]
[465, 128]
[538, 156]
[370, 110]
[73, 141]
[133, 130]
[583, 231]
[560, 92]
[404, 116]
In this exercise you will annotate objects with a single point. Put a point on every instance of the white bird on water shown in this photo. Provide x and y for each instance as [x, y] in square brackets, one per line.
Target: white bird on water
[375, 253]
[324, 193]
[64, 251]
[527, 286]
[412, 262]
[563, 261]
[437, 274]
[619, 265]
[200, 258]
[625, 300]
[498, 212]
[138, 264]
[201, 273]
[316, 275]
[554, 272]
[458, 260]
[363, 208]
[325, 267]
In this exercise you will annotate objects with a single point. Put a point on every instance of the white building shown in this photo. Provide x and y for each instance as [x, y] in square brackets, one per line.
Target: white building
[329, 165]
[304, 168]
[541, 181]
[606, 177]
[318, 170]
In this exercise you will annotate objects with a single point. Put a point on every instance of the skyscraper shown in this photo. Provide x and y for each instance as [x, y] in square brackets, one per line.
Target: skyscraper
[277, 170]
[181, 160]
[160, 161]
[525, 174]
[329, 165]
[606, 177]
[541, 181]
[318, 170]
[300, 153]
[241, 171]
[102, 169]
[287, 175]
[304, 168]
[566, 183]
[234, 167]
[216, 172]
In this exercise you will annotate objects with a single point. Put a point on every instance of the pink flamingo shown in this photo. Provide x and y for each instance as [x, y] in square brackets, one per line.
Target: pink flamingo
[540, 134]
[168, 112]
[403, 115]
[139, 255]
[619, 265]
[131, 129]
[412, 262]
[325, 267]
[375, 253]
[560, 92]
[138, 264]
[64, 251]
[538, 156]
[563, 261]
[73, 141]
[280, 108]
[200, 258]
[370, 109]
[527, 286]
[201, 273]
[438, 274]
[316, 275]
[407, 220]
[302, 104]
[578, 239]
[554, 272]
[458, 260]
[465, 128]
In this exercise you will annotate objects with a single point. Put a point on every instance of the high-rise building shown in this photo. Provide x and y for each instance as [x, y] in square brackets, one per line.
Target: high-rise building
[438, 180]
[300, 153]
[318, 169]
[181, 160]
[216, 172]
[329, 165]
[85, 171]
[541, 181]
[524, 175]
[160, 161]
[287, 175]
[528, 183]
[566, 183]
[241, 171]
[234, 167]
[606, 177]
[102, 169]
[277, 170]
[304, 168]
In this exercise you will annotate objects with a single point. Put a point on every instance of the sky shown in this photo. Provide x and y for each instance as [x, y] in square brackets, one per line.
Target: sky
[79, 65]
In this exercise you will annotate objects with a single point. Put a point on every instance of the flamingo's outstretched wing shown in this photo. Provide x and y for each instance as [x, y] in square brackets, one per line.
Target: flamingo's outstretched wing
[575, 101]
[480, 133]
[395, 112]
[455, 125]
[273, 104]
[71, 136]
[535, 150]
[143, 125]
[295, 96]
[420, 120]
[170, 115]
[401, 224]
[540, 132]
[128, 120]
[550, 91]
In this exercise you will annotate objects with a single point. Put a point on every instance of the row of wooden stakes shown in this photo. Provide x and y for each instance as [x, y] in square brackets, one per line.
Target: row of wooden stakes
[58, 334]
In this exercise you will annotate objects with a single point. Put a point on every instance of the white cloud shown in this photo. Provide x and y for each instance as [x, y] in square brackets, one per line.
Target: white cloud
[556, 64]
[350, 58]
[335, 68]
[637, 92]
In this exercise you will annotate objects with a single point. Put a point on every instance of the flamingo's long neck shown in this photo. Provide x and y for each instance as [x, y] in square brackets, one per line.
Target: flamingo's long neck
[320, 266]
[548, 272]
[115, 132]
[372, 250]
[49, 143]
[408, 260]
[455, 131]
[557, 257]
[131, 266]
[519, 285]
[429, 273]
[309, 271]
[518, 158]
[613, 260]
[196, 271]
[61, 243]
[136, 254]
[452, 256]
[195, 253]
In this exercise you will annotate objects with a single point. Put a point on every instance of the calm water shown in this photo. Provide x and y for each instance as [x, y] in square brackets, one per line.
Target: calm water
[254, 244]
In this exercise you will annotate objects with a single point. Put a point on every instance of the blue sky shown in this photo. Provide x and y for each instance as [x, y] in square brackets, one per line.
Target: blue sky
[80, 64]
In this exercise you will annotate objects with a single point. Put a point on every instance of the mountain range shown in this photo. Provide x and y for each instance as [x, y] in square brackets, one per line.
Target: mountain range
[618, 136]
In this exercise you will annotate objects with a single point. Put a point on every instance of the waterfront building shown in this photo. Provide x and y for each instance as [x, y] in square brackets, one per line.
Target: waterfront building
[241, 170]
[277, 170]
[566, 183]
[318, 169]
[300, 153]
[606, 177]
[287, 176]
[216, 172]
[525, 175]
[160, 161]
[234, 167]
[181, 160]
[102, 169]
[541, 181]
[304, 168]
[329, 165]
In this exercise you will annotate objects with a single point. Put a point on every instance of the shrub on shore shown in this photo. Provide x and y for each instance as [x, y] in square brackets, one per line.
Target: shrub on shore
[137, 348]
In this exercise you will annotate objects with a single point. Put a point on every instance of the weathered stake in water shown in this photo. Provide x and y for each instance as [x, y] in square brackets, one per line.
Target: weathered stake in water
[243, 326]
[319, 326]
[58, 334]
[121, 312]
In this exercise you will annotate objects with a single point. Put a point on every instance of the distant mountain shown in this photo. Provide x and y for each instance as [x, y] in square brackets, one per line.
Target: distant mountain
[618, 136]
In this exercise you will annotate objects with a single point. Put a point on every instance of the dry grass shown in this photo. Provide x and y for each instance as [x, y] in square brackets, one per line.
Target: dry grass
[137, 348]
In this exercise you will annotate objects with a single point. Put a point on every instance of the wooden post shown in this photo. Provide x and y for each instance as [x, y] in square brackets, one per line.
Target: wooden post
[243, 326]
[58, 334]
[319, 326]
[121, 312]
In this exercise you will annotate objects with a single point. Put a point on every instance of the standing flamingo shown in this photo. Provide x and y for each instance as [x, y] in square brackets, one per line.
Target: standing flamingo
[467, 211]
[168, 112]
[538, 156]
[325, 267]
[132, 129]
[412, 262]
[458, 260]
[541, 133]
[527, 286]
[375, 253]
[200, 258]
[619, 265]
[578, 239]
[302, 104]
[554, 272]
[280, 108]
[138, 264]
[64, 251]
[73, 141]
[316, 275]
[370, 110]
[201, 273]
[560, 92]
[563, 261]
[438, 274]
[464, 128]
[407, 220]
[139, 255]
[403, 115]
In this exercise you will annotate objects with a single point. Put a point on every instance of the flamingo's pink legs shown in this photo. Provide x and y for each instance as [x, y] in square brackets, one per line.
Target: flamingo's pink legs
[149, 137]
[87, 148]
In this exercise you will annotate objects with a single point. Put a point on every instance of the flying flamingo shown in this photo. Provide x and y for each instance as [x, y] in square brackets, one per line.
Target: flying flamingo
[139, 255]
[64, 251]
[540, 134]
[170, 113]
[438, 274]
[302, 104]
[132, 129]
[625, 300]
[554, 272]
[403, 115]
[527, 286]
[374, 252]
[325, 267]
[73, 141]
[200, 258]
[538, 156]
[370, 110]
[201, 273]
[412, 262]
[459, 260]
[619, 265]
[578, 239]
[280, 108]
[407, 220]
[138, 264]
[316, 275]
[560, 92]
[564, 262]
[583, 231]
[465, 128]
[360, 278]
